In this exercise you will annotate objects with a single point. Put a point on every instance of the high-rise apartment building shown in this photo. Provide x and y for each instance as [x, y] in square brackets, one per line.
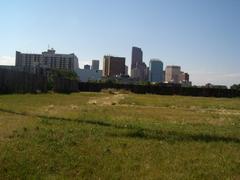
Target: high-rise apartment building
[156, 70]
[113, 66]
[95, 65]
[46, 60]
[173, 74]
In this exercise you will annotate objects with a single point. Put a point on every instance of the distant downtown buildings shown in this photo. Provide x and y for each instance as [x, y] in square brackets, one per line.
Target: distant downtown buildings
[90, 73]
[155, 73]
[113, 67]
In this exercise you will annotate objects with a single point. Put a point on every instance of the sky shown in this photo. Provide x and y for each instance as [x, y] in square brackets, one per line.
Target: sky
[202, 36]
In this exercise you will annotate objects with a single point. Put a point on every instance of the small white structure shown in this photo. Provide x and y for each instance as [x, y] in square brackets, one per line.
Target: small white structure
[86, 75]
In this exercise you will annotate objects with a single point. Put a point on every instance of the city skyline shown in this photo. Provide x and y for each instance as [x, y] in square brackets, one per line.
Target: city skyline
[202, 37]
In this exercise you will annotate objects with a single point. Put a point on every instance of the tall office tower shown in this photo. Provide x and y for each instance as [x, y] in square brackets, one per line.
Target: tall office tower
[46, 60]
[164, 77]
[113, 66]
[126, 70]
[87, 67]
[138, 67]
[184, 77]
[156, 70]
[140, 72]
[173, 74]
[95, 65]
[137, 57]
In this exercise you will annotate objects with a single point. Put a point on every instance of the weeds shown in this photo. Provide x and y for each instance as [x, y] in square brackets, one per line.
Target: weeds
[143, 137]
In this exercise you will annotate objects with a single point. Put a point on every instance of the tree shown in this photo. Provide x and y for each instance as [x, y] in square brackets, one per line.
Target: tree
[60, 74]
[235, 87]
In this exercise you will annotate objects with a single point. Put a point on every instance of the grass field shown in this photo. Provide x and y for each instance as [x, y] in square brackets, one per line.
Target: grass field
[118, 136]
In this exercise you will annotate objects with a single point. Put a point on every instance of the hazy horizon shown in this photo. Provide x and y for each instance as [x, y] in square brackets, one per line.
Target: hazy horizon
[200, 36]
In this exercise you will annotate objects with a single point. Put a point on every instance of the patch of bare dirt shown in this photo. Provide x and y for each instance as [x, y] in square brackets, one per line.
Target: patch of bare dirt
[228, 112]
[107, 101]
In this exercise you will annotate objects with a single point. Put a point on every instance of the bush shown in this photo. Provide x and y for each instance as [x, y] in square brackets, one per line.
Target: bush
[235, 87]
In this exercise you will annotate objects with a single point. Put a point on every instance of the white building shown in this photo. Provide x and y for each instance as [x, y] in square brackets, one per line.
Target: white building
[173, 74]
[86, 75]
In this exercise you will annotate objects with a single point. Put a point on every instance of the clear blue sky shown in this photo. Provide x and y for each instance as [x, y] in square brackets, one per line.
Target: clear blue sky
[203, 36]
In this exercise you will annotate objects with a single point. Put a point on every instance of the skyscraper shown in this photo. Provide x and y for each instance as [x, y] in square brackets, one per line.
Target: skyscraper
[95, 65]
[184, 77]
[156, 70]
[137, 57]
[126, 70]
[113, 66]
[138, 67]
[87, 67]
[173, 74]
[140, 72]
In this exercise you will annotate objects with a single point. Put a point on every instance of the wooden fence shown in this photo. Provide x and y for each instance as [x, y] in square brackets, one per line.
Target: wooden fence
[163, 89]
[62, 85]
[12, 81]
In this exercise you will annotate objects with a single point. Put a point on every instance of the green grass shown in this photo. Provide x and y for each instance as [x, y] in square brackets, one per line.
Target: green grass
[54, 136]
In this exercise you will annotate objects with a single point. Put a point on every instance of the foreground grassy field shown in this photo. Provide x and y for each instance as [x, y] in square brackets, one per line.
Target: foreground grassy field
[118, 136]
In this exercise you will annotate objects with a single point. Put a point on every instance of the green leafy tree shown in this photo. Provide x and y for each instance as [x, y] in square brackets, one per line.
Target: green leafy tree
[235, 87]
[54, 74]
